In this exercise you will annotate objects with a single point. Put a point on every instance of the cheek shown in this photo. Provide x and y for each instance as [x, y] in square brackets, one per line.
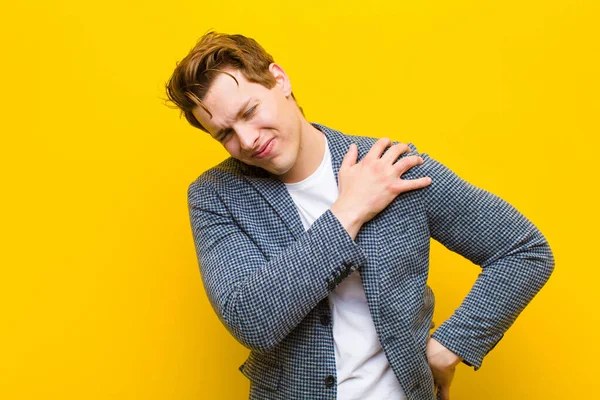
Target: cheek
[271, 112]
[232, 147]
[264, 120]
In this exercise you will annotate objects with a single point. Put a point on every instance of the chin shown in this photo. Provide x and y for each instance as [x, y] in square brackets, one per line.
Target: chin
[279, 170]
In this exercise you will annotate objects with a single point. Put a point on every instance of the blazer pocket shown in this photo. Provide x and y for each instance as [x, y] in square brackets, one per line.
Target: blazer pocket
[265, 373]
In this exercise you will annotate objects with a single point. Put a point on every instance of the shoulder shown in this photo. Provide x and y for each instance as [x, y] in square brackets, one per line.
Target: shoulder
[363, 142]
[226, 175]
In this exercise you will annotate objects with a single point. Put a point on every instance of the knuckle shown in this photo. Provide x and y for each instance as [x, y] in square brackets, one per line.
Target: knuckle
[415, 160]
[376, 167]
[404, 162]
[399, 147]
[402, 147]
[384, 142]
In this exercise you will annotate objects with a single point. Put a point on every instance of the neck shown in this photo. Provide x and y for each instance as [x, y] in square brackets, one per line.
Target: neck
[310, 153]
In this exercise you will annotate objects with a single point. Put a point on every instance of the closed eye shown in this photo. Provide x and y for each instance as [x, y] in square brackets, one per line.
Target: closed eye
[225, 134]
[250, 112]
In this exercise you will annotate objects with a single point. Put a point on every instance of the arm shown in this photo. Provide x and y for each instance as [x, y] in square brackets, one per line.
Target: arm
[261, 300]
[515, 258]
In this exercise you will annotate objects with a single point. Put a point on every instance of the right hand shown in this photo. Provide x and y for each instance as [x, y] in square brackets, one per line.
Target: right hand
[367, 187]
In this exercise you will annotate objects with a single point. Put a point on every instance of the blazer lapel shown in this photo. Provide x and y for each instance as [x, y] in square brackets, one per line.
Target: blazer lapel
[276, 194]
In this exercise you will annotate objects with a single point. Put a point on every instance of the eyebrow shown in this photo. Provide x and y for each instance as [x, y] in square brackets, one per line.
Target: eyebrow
[238, 115]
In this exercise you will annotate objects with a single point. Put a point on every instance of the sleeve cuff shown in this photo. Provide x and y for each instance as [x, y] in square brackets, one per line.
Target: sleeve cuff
[472, 354]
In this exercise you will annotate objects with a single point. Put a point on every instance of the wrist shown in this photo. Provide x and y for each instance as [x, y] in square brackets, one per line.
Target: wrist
[441, 355]
[350, 220]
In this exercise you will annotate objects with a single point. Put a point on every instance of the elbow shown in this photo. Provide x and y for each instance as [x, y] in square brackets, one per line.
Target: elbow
[261, 345]
[248, 321]
[549, 262]
[256, 335]
[256, 341]
[536, 260]
[543, 257]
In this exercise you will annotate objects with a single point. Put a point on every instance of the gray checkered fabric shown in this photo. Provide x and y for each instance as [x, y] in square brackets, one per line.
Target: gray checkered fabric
[268, 279]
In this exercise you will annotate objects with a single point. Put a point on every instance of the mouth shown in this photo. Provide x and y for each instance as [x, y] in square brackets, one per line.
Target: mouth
[264, 151]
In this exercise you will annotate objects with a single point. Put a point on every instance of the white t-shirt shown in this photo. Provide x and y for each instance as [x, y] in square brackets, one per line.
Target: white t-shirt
[363, 371]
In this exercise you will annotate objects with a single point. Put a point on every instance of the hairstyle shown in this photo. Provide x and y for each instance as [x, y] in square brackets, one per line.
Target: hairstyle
[212, 53]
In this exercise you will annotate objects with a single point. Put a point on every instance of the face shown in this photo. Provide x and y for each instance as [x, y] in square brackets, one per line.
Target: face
[256, 125]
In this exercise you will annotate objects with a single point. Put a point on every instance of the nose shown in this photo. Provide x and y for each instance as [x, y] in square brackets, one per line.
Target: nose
[248, 137]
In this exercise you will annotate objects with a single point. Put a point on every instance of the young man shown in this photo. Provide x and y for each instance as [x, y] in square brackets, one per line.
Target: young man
[313, 245]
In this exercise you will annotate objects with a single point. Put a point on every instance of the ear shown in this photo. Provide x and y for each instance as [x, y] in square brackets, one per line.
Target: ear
[281, 79]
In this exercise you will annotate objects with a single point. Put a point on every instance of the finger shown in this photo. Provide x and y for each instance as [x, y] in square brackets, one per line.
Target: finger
[445, 393]
[377, 149]
[438, 392]
[350, 157]
[405, 163]
[405, 185]
[392, 154]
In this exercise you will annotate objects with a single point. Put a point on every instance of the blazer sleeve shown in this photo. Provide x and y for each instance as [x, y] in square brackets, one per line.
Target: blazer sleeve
[515, 259]
[259, 300]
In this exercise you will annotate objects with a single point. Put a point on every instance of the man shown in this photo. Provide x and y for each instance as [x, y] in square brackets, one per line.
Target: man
[313, 245]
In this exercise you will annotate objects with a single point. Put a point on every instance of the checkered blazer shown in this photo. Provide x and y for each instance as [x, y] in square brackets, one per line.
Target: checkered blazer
[268, 279]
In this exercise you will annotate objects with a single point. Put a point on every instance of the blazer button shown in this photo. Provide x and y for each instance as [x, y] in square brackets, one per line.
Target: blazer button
[329, 380]
[325, 319]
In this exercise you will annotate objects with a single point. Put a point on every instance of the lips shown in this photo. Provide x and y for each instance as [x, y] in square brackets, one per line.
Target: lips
[262, 149]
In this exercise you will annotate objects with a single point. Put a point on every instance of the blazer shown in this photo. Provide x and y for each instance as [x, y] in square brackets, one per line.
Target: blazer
[268, 279]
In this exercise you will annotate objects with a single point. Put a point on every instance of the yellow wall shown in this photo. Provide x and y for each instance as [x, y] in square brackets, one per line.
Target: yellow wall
[100, 292]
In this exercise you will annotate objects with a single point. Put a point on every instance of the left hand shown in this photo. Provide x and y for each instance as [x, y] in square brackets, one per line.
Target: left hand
[443, 364]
